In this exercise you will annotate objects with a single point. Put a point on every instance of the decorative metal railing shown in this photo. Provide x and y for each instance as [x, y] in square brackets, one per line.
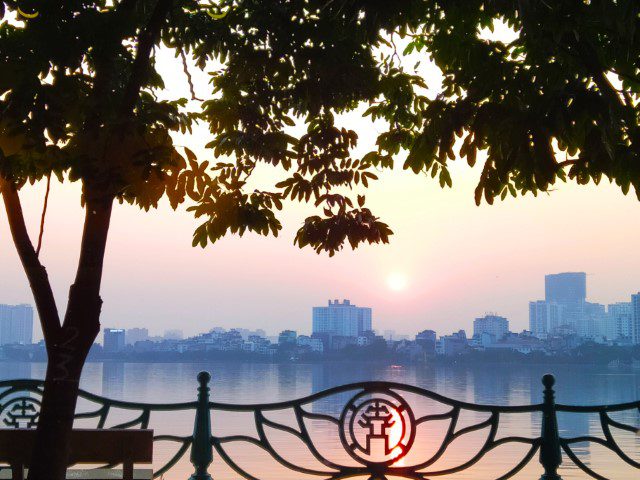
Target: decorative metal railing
[376, 427]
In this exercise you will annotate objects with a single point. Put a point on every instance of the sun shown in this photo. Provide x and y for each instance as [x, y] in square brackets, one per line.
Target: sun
[397, 281]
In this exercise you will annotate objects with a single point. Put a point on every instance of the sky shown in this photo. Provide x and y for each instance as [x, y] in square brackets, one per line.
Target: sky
[448, 262]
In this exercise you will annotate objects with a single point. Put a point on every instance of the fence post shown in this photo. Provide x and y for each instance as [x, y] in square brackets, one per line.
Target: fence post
[201, 449]
[550, 454]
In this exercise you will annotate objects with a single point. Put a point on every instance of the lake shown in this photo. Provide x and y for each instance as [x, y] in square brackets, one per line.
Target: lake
[260, 383]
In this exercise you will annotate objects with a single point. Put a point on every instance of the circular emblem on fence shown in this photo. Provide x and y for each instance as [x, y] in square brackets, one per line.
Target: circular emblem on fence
[20, 412]
[377, 427]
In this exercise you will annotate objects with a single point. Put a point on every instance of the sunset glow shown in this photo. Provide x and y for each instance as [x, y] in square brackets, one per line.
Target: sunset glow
[429, 259]
[397, 281]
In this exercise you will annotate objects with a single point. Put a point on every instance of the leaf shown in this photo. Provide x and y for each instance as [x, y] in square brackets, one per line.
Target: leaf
[190, 155]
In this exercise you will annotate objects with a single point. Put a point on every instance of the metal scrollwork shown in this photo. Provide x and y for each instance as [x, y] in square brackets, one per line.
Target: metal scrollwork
[374, 422]
[20, 408]
[377, 427]
[21, 412]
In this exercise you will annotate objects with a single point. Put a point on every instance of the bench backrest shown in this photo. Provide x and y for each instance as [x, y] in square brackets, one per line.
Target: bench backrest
[92, 446]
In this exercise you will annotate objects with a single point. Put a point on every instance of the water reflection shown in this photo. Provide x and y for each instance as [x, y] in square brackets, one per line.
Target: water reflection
[113, 379]
[250, 383]
[11, 370]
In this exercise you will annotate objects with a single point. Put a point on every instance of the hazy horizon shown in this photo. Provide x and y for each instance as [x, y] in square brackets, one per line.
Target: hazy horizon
[448, 262]
[458, 262]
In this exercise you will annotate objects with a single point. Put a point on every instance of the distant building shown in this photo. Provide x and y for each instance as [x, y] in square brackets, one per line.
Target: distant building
[482, 341]
[339, 342]
[287, 337]
[620, 321]
[134, 335]
[569, 290]
[246, 333]
[592, 322]
[570, 287]
[389, 334]
[341, 319]
[173, 334]
[454, 344]
[493, 324]
[523, 342]
[427, 340]
[544, 317]
[114, 340]
[16, 324]
[370, 338]
[635, 312]
[565, 309]
[313, 344]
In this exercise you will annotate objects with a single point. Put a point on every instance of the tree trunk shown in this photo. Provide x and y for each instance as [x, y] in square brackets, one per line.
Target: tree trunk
[51, 451]
[69, 348]
[68, 344]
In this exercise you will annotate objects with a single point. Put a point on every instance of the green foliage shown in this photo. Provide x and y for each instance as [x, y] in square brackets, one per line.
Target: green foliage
[556, 101]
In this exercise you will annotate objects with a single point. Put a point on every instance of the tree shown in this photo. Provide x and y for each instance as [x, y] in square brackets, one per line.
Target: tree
[78, 99]
[78, 89]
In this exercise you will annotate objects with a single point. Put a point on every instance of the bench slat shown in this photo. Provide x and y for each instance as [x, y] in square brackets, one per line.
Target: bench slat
[87, 446]
[95, 446]
[97, 474]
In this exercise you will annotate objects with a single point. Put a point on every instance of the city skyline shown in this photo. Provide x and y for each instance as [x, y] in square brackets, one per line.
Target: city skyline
[564, 310]
[190, 297]
[563, 321]
[466, 323]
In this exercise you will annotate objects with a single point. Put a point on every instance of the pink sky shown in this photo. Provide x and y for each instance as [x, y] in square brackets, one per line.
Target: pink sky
[459, 260]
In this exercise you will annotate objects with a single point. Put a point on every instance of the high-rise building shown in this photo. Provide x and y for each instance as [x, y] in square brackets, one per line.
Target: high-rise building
[134, 335]
[16, 324]
[565, 307]
[592, 322]
[341, 319]
[620, 321]
[570, 287]
[493, 324]
[114, 340]
[635, 317]
[544, 317]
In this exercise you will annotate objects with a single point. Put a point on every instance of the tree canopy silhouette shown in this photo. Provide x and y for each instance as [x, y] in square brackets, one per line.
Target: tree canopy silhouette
[79, 89]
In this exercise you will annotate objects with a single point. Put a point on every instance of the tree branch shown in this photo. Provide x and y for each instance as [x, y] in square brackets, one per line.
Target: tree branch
[185, 68]
[140, 68]
[104, 65]
[590, 59]
[83, 311]
[35, 271]
[44, 214]
[588, 56]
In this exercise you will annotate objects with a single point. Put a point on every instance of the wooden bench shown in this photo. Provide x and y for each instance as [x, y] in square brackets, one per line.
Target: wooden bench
[101, 446]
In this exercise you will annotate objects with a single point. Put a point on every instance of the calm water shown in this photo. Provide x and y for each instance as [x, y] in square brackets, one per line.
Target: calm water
[251, 383]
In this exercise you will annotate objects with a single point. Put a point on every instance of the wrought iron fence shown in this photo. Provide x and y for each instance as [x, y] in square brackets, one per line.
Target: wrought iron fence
[376, 427]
